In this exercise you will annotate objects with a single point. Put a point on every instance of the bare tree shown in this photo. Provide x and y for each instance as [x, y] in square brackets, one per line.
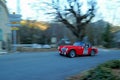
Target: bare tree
[73, 15]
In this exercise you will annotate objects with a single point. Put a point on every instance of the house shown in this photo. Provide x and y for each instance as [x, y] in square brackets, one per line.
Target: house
[5, 30]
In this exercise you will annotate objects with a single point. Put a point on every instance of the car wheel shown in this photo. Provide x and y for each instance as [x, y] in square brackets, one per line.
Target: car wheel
[72, 54]
[92, 53]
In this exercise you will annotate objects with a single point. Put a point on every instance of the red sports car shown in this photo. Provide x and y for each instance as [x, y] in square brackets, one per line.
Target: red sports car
[77, 49]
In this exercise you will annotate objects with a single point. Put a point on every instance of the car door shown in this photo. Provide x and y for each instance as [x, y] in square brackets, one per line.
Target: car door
[79, 50]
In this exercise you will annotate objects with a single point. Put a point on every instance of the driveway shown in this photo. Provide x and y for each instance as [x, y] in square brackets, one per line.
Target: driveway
[49, 65]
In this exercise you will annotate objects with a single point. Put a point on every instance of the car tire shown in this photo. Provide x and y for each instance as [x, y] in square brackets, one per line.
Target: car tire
[72, 54]
[92, 53]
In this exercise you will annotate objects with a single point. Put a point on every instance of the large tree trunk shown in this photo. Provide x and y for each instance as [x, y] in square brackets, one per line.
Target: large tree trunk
[78, 32]
[81, 34]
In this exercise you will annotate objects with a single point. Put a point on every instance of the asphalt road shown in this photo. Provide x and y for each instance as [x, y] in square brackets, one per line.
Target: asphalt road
[49, 65]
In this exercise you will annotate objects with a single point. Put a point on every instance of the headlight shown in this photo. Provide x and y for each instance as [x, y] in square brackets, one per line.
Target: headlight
[58, 48]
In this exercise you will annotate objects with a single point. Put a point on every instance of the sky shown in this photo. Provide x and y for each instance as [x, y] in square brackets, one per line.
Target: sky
[107, 9]
[25, 9]
[110, 10]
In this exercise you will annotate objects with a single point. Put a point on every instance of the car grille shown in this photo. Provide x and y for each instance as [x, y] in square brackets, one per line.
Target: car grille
[63, 49]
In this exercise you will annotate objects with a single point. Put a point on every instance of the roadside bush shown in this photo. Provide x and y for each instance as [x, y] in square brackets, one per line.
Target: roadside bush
[100, 73]
[114, 64]
[103, 72]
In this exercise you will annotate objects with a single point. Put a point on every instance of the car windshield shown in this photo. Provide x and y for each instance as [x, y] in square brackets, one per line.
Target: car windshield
[79, 44]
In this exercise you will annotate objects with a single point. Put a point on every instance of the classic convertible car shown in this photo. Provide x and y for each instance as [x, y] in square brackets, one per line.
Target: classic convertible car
[77, 49]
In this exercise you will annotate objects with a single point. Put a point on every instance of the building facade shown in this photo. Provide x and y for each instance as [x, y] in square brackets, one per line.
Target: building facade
[5, 30]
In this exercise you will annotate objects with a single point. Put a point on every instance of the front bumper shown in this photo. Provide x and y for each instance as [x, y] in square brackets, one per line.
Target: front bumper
[63, 53]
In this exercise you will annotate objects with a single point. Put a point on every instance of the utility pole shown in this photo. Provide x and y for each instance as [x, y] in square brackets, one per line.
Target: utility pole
[15, 27]
[18, 7]
[15, 19]
[14, 23]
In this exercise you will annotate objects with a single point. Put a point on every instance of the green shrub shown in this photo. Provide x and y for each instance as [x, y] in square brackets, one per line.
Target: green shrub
[100, 73]
[114, 64]
[103, 72]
